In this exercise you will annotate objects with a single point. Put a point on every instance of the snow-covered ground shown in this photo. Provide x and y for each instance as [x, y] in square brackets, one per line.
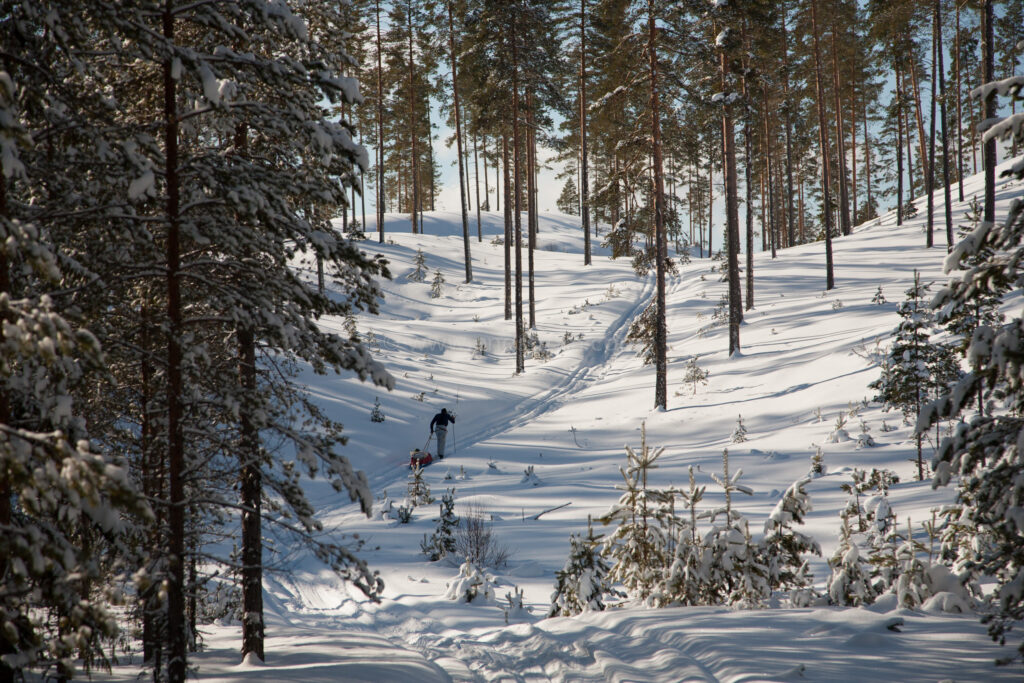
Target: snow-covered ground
[807, 358]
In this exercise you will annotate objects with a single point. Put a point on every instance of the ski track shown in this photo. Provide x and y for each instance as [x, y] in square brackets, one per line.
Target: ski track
[592, 367]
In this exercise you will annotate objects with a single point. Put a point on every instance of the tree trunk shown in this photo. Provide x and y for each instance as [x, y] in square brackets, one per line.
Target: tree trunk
[661, 247]
[945, 126]
[458, 145]
[919, 113]
[531, 206]
[476, 174]
[988, 75]
[732, 218]
[826, 180]
[844, 198]
[380, 135]
[929, 178]
[584, 177]
[867, 153]
[749, 184]
[899, 149]
[517, 202]
[412, 130]
[959, 111]
[789, 133]
[177, 665]
[251, 488]
[508, 230]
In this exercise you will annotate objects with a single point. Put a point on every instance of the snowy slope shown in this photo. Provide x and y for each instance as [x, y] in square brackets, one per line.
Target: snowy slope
[807, 357]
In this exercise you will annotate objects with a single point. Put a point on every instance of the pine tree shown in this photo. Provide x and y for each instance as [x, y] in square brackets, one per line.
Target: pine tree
[419, 489]
[420, 261]
[695, 374]
[739, 435]
[437, 286]
[984, 452]
[915, 367]
[638, 544]
[569, 201]
[442, 542]
[784, 547]
[582, 584]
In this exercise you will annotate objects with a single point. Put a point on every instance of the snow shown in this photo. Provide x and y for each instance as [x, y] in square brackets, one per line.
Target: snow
[556, 434]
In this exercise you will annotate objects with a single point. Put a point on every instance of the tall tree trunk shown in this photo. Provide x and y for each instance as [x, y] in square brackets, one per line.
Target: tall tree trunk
[867, 152]
[911, 186]
[988, 75]
[458, 146]
[7, 672]
[853, 153]
[732, 218]
[412, 129]
[517, 202]
[508, 228]
[584, 176]
[787, 105]
[487, 183]
[476, 174]
[177, 665]
[929, 178]
[661, 246]
[826, 180]
[748, 179]
[899, 150]
[531, 206]
[947, 197]
[919, 114]
[959, 111]
[251, 478]
[844, 198]
[430, 165]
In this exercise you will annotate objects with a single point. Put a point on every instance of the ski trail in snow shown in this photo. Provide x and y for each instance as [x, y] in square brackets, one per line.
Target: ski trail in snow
[592, 367]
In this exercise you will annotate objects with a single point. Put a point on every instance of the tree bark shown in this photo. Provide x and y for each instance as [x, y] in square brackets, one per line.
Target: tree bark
[380, 135]
[531, 207]
[732, 218]
[947, 197]
[661, 247]
[988, 75]
[844, 194]
[929, 178]
[177, 665]
[584, 177]
[476, 174]
[517, 202]
[412, 128]
[826, 181]
[458, 145]
[508, 230]
[959, 111]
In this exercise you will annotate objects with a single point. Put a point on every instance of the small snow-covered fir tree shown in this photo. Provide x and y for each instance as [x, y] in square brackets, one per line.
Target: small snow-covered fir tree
[739, 435]
[915, 368]
[442, 542]
[850, 582]
[568, 201]
[694, 374]
[737, 573]
[638, 545]
[420, 263]
[377, 414]
[984, 454]
[879, 298]
[471, 585]
[582, 584]
[437, 286]
[419, 489]
[785, 547]
[687, 581]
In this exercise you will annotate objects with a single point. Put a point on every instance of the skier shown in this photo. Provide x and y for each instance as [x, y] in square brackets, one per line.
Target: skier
[439, 427]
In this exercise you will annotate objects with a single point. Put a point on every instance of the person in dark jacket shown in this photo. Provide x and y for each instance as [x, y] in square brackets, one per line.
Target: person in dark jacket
[439, 428]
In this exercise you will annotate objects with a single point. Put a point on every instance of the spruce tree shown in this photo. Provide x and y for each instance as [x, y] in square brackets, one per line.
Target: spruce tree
[582, 584]
[984, 452]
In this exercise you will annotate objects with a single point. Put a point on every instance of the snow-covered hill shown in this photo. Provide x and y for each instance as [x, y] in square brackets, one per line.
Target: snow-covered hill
[807, 358]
